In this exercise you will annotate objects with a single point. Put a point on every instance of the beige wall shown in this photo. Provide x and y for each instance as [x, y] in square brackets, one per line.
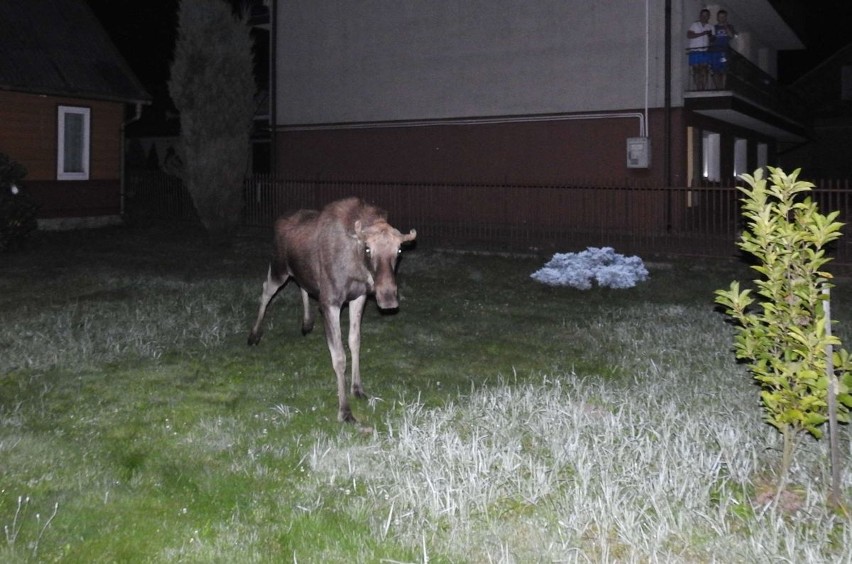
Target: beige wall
[348, 61]
[342, 62]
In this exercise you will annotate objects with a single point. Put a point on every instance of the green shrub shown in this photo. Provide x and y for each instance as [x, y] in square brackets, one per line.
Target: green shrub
[17, 209]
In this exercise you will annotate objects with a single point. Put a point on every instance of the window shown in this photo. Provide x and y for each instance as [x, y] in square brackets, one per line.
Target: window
[72, 159]
[710, 143]
[740, 157]
[762, 155]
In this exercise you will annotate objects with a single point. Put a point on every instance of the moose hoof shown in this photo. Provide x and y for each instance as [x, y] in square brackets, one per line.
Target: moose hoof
[253, 339]
[358, 392]
[346, 417]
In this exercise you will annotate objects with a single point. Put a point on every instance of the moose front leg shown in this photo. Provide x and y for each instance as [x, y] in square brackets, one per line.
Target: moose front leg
[338, 359]
[356, 310]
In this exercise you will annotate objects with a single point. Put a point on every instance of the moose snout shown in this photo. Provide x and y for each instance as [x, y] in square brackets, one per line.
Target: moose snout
[387, 298]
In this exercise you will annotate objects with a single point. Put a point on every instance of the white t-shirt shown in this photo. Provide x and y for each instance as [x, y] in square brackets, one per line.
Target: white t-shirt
[702, 42]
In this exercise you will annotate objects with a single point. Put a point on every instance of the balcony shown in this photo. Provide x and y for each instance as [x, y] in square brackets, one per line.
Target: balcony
[729, 87]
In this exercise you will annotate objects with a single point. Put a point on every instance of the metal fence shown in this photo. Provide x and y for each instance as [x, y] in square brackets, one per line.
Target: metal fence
[152, 197]
[633, 218]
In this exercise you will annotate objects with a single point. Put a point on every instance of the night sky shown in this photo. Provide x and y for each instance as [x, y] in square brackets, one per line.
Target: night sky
[144, 32]
[825, 26]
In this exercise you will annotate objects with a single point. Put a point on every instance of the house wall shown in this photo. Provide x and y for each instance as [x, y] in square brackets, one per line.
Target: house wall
[463, 58]
[467, 91]
[827, 152]
[29, 136]
[697, 124]
[533, 152]
[376, 61]
[498, 91]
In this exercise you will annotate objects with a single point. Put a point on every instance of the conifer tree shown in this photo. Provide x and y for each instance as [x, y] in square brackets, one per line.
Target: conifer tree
[213, 87]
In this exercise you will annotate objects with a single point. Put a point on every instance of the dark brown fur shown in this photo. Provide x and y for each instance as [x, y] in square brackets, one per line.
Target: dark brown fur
[339, 255]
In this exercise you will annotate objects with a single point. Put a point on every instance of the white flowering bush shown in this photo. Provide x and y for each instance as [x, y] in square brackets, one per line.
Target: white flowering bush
[602, 265]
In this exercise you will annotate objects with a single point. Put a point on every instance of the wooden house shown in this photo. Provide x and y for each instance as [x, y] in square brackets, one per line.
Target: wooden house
[66, 95]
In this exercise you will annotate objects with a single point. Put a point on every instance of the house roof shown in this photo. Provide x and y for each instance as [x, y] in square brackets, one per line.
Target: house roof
[765, 21]
[827, 67]
[822, 86]
[58, 47]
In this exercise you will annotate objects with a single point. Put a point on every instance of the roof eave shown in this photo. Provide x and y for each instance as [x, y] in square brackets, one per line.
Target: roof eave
[144, 98]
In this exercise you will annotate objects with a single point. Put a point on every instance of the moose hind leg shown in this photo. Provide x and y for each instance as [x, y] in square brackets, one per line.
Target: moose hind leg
[307, 313]
[271, 286]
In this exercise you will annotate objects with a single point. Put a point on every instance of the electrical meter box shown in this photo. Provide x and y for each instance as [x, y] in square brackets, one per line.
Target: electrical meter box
[638, 152]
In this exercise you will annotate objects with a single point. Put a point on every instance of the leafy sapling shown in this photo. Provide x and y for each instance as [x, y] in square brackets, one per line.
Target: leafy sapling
[782, 325]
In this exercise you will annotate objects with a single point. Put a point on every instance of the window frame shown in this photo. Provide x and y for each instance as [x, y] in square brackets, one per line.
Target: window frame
[740, 157]
[711, 143]
[63, 111]
[762, 155]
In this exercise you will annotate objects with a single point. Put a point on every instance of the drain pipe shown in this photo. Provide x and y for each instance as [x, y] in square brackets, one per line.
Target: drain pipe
[667, 111]
[647, 63]
[136, 117]
[477, 121]
[273, 87]
[643, 126]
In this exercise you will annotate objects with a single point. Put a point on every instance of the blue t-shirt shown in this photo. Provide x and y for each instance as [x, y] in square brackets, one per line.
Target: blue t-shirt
[721, 39]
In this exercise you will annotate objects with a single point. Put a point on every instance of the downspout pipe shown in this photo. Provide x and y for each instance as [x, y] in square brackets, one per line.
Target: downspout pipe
[478, 121]
[273, 87]
[136, 117]
[647, 63]
[667, 110]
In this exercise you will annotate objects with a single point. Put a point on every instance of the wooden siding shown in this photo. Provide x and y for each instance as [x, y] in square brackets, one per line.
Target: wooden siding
[29, 135]
[65, 199]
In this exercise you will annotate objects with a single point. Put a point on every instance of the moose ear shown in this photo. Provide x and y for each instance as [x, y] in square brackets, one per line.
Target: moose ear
[410, 237]
[358, 231]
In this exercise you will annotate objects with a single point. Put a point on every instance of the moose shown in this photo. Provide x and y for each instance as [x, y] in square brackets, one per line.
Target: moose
[338, 255]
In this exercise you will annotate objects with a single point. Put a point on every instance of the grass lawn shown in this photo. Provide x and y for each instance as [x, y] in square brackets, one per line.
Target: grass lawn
[508, 421]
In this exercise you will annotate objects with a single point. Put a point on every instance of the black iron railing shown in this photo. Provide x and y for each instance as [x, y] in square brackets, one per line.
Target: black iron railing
[637, 218]
[725, 70]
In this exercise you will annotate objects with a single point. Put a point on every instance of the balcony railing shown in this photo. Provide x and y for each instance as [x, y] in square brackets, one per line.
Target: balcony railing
[723, 70]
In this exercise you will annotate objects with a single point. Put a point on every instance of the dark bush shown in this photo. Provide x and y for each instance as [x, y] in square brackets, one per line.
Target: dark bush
[17, 209]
